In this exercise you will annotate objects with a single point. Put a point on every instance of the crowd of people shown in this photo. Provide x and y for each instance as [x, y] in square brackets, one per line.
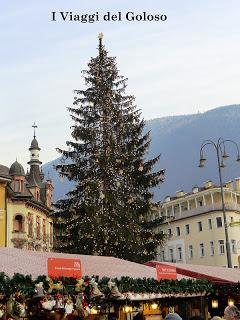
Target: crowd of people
[230, 313]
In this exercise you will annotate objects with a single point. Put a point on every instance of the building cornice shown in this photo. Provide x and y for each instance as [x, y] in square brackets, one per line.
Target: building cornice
[192, 196]
[39, 206]
[5, 179]
[184, 218]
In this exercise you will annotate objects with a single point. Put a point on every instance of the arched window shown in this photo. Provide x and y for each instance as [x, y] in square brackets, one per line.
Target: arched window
[18, 223]
[17, 186]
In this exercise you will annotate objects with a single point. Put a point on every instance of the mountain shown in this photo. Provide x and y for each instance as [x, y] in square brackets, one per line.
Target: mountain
[178, 139]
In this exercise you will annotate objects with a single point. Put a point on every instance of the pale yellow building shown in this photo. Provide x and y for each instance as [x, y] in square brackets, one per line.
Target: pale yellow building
[194, 227]
[4, 179]
[25, 205]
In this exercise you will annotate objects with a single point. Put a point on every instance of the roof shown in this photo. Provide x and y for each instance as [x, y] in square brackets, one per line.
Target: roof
[16, 169]
[214, 274]
[34, 178]
[4, 171]
[35, 263]
[18, 195]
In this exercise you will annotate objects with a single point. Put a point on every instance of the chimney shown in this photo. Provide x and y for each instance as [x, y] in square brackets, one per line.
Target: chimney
[208, 184]
[179, 193]
[167, 199]
[195, 189]
[229, 185]
[237, 184]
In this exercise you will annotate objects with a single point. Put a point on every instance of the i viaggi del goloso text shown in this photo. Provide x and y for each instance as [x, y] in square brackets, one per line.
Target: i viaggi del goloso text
[108, 16]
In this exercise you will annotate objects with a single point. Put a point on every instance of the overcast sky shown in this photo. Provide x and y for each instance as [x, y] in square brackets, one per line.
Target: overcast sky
[188, 64]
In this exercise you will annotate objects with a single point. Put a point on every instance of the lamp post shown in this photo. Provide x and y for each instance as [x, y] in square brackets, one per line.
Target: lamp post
[221, 155]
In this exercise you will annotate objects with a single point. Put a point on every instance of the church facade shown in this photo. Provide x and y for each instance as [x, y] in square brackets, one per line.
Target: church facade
[25, 205]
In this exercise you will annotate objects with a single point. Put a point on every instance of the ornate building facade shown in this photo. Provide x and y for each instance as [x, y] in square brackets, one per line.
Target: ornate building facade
[25, 205]
[193, 225]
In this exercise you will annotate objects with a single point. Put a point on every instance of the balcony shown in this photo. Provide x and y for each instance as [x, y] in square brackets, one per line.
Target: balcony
[19, 239]
[205, 209]
[160, 259]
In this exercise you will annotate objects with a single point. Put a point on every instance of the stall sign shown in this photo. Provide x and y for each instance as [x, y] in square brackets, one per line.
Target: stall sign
[58, 267]
[166, 272]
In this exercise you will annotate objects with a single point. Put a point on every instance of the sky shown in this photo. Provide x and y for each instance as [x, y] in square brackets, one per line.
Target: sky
[186, 64]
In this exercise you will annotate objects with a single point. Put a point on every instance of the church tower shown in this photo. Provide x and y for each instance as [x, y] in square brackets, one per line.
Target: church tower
[35, 176]
[26, 204]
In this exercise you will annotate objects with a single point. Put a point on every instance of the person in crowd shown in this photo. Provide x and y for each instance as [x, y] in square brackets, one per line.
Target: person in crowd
[216, 318]
[138, 316]
[173, 316]
[197, 318]
[231, 313]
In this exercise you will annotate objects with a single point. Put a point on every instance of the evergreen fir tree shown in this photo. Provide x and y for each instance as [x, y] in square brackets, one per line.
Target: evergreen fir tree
[106, 212]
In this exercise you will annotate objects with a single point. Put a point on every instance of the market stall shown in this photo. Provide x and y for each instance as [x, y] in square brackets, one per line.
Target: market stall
[89, 297]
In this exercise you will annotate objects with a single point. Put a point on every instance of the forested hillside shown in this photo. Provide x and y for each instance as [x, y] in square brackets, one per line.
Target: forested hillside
[178, 139]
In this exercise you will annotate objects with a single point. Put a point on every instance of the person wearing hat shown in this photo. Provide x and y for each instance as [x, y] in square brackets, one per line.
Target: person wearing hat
[173, 316]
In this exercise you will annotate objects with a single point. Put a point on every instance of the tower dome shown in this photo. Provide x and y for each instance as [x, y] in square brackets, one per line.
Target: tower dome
[34, 144]
[16, 169]
[4, 171]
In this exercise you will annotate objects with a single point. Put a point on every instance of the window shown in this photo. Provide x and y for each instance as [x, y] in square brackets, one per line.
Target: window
[200, 226]
[200, 203]
[211, 248]
[190, 252]
[18, 223]
[163, 255]
[210, 224]
[234, 246]
[187, 228]
[202, 253]
[183, 207]
[179, 251]
[44, 229]
[169, 212]
[231, 219]
[51, 232]
[30, 225]
[219, 222]
[221, 247]
[169, 232]
[171, 256]
[17, 184]
[38, 227]
[178, 231]
[175, 209]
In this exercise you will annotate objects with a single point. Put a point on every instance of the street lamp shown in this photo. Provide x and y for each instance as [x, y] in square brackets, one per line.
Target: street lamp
[221, 156]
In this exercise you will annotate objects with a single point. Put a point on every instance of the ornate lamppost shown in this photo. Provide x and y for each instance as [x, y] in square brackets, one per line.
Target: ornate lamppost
[221, 156]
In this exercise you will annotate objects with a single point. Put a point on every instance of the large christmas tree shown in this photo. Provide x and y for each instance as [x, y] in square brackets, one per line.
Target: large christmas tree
[106, 212]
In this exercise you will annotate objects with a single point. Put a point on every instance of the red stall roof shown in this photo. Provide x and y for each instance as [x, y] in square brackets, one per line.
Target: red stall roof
[214, 274]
